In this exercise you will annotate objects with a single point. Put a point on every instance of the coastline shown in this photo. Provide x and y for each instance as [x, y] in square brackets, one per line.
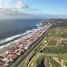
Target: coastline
[9, 44]
[7, 40]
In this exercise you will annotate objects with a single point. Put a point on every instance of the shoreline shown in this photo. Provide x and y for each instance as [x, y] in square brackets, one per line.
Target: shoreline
[7, 40]
[9, 44]
[12, 38]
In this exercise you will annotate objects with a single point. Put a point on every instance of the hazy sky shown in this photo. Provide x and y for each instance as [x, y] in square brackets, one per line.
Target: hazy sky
[12, 4]
[42, 6]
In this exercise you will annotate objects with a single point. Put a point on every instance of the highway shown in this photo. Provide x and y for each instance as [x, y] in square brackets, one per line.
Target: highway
[32, 47]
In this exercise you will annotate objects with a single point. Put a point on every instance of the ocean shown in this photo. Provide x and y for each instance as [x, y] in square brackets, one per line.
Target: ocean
[15, 28]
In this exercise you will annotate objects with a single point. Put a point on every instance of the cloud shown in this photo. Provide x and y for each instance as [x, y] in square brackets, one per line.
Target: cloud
[6, 4]
[21, 4]
[13, 4]
[1, 3]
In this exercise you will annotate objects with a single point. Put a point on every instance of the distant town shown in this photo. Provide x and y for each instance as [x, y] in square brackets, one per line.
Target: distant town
[23, 46]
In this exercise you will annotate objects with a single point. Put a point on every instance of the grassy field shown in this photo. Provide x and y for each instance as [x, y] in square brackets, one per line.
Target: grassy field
[55, 52]
[35, 60]
[56, 49]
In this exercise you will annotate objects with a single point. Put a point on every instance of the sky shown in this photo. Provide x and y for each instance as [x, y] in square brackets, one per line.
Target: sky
[52, 7]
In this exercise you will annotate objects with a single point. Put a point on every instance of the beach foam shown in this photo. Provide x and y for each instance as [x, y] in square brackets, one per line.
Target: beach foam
[13, 37]
[9, 38]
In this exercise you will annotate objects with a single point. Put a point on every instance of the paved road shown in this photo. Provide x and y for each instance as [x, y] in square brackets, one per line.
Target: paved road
[18, 61]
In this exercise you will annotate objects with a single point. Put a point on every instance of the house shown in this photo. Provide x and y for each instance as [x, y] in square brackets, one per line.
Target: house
[64, 41]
